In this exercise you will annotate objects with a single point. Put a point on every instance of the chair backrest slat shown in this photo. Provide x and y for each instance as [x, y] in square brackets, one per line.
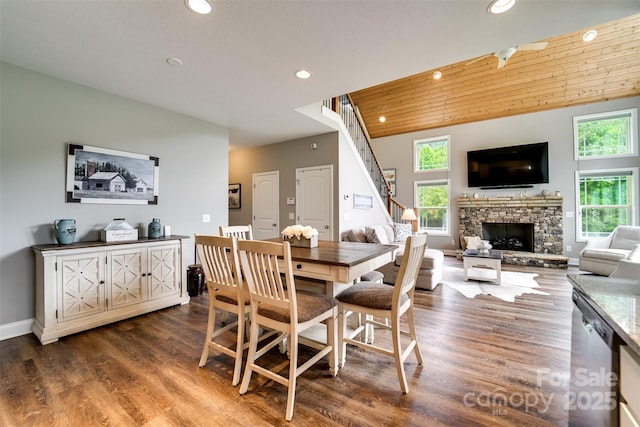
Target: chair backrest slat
[266, 280]
[240, 232]
[219, 263]
[410, 267]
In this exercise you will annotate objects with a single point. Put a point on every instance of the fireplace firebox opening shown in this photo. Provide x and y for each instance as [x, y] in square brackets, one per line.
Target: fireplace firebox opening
[509, 236]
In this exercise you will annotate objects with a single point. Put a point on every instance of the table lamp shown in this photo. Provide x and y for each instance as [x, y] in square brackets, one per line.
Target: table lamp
[409, 214]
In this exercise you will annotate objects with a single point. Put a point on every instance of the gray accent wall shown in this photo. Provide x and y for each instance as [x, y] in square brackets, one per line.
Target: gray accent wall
[284, 157]
[554, 126]
[39, 115]
[333, 148]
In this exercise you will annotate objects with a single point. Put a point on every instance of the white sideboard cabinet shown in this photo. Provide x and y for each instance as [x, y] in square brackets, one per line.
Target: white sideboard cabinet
[88, 284]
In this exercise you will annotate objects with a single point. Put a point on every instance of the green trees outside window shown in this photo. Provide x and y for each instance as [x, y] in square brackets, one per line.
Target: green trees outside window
[432, 200]
[432, 154]
[605, 134]
[605, 202]
[606, 196]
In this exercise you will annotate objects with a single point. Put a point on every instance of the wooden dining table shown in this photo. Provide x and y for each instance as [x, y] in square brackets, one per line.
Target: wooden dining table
[338, 264]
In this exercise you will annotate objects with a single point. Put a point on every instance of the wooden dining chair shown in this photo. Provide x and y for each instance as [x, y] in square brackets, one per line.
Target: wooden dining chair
[375, 302]
[226, 292]
[276, 305]
[241, 232]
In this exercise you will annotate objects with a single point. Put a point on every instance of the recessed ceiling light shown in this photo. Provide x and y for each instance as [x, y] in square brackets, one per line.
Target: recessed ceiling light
[199, 6]
[590, 35]
[175, 62]
[382, 119]
[500, 6]
[437, 75]
[303, 74]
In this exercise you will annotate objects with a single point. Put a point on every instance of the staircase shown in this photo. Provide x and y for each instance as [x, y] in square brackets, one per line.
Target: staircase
[355, 126]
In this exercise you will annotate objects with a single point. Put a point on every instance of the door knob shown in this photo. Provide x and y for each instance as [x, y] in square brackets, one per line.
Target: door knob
[326, 227]
[273, 225]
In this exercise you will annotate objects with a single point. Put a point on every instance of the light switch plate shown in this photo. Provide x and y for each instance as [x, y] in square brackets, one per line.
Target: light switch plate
[292, 215]
[206, 218]
[291, 200]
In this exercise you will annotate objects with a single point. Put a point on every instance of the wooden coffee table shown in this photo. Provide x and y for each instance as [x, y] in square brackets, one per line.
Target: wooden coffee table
[474, 258]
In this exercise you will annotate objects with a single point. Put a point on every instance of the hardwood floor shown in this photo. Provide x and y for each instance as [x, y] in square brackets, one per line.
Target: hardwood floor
[487, 363]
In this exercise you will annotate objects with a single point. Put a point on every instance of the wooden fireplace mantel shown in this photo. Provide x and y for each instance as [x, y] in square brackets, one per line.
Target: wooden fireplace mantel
[488, 202]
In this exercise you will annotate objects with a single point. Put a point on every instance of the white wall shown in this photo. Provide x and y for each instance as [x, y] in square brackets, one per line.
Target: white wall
[39, 116]
[354, 179]
[554, 126]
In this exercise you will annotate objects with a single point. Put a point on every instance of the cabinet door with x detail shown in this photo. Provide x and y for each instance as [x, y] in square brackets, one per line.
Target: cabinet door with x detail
[127, 277]
[83, 285]
[164, 273]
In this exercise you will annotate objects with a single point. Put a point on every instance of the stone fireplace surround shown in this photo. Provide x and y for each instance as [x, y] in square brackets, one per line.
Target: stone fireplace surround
[544, 212]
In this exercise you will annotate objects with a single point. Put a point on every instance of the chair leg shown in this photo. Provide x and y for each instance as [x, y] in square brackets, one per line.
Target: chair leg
[368, 329]
[251, 357]
[237, 366]
[341, 346]
[412, 333]
[397, 351]
[332, 340]
[211, 323]
[293, 365]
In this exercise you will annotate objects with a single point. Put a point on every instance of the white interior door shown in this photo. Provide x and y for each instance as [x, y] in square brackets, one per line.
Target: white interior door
[266, 205]
[314, 195]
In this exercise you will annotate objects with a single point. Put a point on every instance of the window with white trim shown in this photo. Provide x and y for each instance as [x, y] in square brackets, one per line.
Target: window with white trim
[605, 199]
[432, 202]
[431, 154]
[611, 134]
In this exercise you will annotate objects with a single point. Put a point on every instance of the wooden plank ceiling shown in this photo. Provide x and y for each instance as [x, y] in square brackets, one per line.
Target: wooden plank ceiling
[568, 71]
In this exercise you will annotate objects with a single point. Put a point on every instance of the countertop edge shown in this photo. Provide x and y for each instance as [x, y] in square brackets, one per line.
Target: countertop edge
[624, 335]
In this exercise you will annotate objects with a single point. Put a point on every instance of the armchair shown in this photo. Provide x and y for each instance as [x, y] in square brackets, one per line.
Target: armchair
[629, 268]
[602, 256]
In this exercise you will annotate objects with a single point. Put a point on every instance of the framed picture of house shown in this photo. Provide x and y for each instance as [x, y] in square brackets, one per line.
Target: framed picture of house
[234, 196]
[389, 174]
[102, 175]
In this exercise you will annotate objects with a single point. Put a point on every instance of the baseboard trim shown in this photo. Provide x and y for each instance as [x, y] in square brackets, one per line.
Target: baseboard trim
[15, 329]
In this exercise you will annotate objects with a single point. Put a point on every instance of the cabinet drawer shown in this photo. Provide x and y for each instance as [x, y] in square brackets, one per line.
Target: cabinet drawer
[630, 378]
[320, 271]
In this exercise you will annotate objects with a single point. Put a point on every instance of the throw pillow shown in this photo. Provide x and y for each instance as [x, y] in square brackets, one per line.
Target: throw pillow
[356, 236]
[376, 234]
[401, 232]
[472, 241]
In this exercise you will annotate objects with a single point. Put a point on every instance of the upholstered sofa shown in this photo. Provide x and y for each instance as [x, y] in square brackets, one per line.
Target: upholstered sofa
[431, 270]
[602, 256]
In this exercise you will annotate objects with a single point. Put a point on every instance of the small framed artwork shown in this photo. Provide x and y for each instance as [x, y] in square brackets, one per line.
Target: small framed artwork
[102, 175]
[234, 196]
[361, 201]
[389, 174]
[393, 188]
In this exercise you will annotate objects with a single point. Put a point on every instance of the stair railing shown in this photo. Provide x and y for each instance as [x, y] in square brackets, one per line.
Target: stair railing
[355, 126]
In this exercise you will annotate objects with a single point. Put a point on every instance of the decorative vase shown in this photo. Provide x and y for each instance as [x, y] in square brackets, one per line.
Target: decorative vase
[65, 230]
[484, 246]
[155, 229]
[196, 283]
[302, 242]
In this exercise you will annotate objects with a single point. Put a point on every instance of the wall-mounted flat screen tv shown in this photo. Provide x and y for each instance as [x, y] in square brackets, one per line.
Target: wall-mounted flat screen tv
[517, 166]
